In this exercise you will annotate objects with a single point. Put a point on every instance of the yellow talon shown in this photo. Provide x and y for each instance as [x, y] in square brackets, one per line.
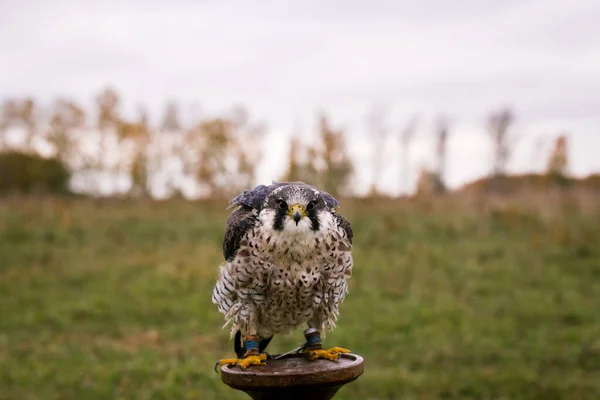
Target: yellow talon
[255, 359]
[331, 354]
[260, 359]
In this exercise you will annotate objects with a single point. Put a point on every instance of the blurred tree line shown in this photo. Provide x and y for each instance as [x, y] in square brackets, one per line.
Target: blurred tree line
[104, 151]
[219, 154]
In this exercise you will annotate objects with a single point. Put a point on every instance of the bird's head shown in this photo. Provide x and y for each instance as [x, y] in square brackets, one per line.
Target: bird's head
[295, 208]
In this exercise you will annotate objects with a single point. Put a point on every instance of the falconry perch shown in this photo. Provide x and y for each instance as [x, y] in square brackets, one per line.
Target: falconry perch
[287, 261]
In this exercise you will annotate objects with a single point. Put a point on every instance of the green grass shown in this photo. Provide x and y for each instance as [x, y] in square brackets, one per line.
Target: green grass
[112, 301]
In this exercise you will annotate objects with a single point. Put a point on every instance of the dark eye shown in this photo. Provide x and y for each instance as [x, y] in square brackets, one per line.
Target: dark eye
[310, 205]
[281, 204]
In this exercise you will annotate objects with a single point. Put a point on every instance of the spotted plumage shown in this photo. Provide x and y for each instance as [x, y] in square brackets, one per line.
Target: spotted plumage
[287, 261]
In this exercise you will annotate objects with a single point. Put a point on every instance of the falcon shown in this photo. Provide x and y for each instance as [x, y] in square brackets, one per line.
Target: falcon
[288, 258]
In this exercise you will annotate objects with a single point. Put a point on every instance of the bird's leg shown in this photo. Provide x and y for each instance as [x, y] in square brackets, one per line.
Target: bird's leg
[251, 357]
[314, 347]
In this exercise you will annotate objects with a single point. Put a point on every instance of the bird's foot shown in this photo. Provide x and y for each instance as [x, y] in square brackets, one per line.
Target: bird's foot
[332, 354]
[314, 349]
[243, 363]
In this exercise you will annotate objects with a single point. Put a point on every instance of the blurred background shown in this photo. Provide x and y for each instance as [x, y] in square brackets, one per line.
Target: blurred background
[461, 139]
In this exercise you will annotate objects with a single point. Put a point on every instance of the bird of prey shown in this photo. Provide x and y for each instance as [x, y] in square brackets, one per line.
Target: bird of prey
[287, 261]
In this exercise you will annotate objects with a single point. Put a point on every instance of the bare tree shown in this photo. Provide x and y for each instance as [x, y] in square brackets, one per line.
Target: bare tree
[29, 116]
[138, 134]
[407, 134]
[223, 153]
[558, 162]
[214, 141]
[428, 183]
[108, 122]
[498, 128]
[247, 146]
[108, 109]
[379, 131]
[171, 121]
[325, 164]
[299, 169]
[172, 145]
[66, 118]
[503, 142]
[442, 151]
[538, 151]
[301, 166]
[24, 114]
[8, 118]
[337, 167]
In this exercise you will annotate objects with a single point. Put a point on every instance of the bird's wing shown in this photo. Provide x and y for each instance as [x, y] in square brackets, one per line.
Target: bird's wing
[330, 201]
[251, 198]
[338, 272]
[344, 224]
[238, 223]
[254, 198]
[239, 278]
[244, 217]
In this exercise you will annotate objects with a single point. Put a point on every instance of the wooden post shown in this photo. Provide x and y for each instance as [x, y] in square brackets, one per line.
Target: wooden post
[295, 377]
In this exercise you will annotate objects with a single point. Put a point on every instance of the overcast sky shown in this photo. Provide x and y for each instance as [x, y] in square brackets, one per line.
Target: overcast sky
[285, 61]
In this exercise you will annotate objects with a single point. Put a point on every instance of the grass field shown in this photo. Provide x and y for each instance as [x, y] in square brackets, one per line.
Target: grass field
[112, 300]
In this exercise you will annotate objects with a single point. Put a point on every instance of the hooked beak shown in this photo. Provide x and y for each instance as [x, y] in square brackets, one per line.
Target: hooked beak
[297, 211]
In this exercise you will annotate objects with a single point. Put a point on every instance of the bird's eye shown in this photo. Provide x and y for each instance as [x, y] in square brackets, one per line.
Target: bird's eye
[310, 205]
[281, 204]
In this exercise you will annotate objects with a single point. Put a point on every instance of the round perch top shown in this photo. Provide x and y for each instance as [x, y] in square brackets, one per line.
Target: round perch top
[294, 371]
